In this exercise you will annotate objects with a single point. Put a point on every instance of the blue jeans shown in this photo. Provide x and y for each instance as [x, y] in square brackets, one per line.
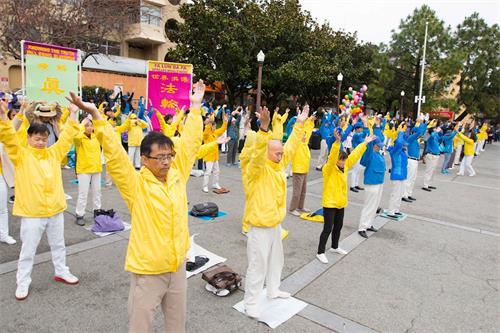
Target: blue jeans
[447, 157]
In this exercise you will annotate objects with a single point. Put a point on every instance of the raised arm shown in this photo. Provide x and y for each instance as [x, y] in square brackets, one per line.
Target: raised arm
[8, 136]
[191, 139]
[293, 141]
[63, 144]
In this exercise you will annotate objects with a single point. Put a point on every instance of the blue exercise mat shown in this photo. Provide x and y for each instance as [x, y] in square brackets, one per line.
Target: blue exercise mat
[208, 218]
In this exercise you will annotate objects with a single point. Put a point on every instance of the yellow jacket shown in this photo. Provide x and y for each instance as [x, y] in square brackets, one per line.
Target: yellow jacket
[112, 121]
[334, 180]
[468, 144]
[205, 149]
[22, 131]
[277, 122]
[266, 180]
[39, 188]
[88, 154]
[169, 129]
[159, 239]
[210, 135]
[245, 156]
[134, 128]
[483, 133]
[302, 158]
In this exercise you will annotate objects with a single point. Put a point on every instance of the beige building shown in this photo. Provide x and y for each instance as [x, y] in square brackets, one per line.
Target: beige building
[145, 40]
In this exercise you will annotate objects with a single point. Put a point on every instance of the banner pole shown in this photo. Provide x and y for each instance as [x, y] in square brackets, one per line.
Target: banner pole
[23, 82]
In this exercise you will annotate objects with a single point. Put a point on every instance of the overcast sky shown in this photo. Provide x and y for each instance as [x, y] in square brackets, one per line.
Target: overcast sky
[374, 19]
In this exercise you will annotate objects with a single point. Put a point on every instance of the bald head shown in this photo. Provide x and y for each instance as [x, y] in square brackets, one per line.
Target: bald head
[275, 150]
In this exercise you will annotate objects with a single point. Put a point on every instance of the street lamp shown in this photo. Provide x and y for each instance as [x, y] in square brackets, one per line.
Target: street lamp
[401, 104]
[260, 60]
[339, 79]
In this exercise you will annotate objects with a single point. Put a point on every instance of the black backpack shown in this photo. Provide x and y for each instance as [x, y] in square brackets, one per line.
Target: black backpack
[205, 209]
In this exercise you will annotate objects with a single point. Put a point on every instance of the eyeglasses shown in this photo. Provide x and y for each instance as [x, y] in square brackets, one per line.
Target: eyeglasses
[162, 158]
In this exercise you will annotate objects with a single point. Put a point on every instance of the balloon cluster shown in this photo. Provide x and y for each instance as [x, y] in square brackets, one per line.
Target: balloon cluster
[352, 103]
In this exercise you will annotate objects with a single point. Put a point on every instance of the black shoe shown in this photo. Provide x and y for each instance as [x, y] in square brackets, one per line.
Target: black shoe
[398, 214]
[426, 189]
[363, 234]
[319, 169]
[354, 190]
[394, 216]
[406, 200]
[79, 221]
[379, 210]
[359, 188]
[12, 199]
[433, 187]
[412, 198]
[372, 229]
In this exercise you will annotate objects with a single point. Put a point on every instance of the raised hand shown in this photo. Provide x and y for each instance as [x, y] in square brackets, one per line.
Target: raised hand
[85, 106]
[198, 93]
[336, 134]
[369, 139]
[302, 116]
[73, 111]
[4, 108]
[222, 140]
[264, 118]
[287, 110]
[225, 117]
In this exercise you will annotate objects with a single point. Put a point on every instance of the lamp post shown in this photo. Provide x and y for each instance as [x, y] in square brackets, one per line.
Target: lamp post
[421, 99]
[339, 79]
[260, 60]
[401, 104]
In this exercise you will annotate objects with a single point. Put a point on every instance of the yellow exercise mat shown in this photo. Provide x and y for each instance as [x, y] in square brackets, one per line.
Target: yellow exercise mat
[316, 216]
[284, 234]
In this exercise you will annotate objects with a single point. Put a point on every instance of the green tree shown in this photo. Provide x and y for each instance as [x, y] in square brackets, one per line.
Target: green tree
[477, 49]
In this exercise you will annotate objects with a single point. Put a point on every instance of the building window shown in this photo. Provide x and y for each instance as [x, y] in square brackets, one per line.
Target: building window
[150, 14]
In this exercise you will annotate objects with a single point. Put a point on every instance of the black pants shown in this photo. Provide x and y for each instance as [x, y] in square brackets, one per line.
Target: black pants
[232, 149]
[334, 219]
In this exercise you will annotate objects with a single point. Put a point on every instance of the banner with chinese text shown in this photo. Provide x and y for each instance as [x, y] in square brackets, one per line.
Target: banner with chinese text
[169, 87]
[51, 72]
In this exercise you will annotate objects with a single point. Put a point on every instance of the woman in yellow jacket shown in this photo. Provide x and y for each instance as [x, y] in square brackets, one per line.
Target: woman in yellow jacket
[300, 168]
[210, 134]
[466, 163]
[168, 124]
[40, 200]
[157, 199]
[481, 138]
[134, 128]
[335, 193]
[88, 169]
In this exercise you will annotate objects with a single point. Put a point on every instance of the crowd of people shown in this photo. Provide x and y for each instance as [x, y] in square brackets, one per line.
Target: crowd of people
[151, 169]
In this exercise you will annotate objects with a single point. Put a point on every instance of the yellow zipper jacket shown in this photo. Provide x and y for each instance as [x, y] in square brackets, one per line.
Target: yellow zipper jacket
[334, 180]
[134, 128]
[266, 180]
[468, 144]
[278, 122]
[169, 129]
[302, 159]
[159, 239]
[210, 136]
[39, 188]
[88, 154]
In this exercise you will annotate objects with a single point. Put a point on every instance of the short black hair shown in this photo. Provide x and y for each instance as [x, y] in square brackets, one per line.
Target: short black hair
[168, 117]
[343, 156]
[38, 128]
[155, 138]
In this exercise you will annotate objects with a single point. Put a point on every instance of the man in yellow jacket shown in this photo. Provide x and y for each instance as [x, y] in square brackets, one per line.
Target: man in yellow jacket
[300, 168]
[266, 201]
[40, 200]
[88, 169]
[157, 199]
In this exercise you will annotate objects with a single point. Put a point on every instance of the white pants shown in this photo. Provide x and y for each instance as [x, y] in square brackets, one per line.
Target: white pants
[479, 146]
[211, 167]
[396, 195]
[373, 196]
[457, 154]
[4, 214]
[431, 162]
[323, 154]
[84, 181]
[265, 262]
[223, 147]
[288, 171]
[467, 165]
[482, 145]
[134, 155]
[412, 176]
[355, 172]
[32, 230]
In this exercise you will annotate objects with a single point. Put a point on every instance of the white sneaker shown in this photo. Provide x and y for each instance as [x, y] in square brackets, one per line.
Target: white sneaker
[205, 189]
[295, 212]
[216, 187]
[305, 210]
[338, 250]
[322, 258]
[8, 239]
[67, 278]
[280, 294]
[22, 292]
[472, 175]
[460, 174]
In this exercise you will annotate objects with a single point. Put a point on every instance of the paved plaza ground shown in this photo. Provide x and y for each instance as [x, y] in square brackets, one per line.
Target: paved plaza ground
[437, 271]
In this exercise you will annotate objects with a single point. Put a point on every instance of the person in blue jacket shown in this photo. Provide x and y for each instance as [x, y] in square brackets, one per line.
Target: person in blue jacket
[413, 151]
[399, 172]
[448, 149]
[374, 163]
[432, 157]
[361, 132]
